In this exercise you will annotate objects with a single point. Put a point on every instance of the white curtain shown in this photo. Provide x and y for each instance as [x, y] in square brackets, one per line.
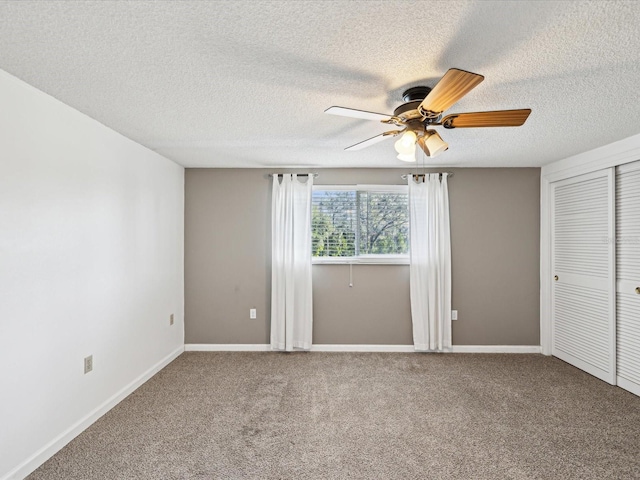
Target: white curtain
[430, 270]
[291, 297]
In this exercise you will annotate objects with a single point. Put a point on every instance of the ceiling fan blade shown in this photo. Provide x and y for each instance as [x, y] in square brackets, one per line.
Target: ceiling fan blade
[454, 85]
[353, 113]
[373, 140]
[498, 118]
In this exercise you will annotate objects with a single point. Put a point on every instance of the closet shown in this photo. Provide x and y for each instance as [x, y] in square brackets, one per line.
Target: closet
[628, 276]
[595, 263]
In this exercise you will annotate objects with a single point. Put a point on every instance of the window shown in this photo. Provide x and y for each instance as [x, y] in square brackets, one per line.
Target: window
[360, 224]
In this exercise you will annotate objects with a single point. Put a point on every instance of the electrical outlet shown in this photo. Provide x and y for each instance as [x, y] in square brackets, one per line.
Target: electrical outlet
[454, 314]
[252, 314]
[171, 319]
[88, 364]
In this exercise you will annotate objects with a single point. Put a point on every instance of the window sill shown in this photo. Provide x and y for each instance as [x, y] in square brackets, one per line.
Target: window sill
[362, 260]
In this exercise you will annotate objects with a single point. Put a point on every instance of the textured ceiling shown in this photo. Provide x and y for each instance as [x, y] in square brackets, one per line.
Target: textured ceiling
[245, 83]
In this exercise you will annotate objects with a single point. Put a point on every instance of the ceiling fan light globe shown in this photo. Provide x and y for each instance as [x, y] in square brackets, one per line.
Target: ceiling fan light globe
[435, 144]
[406, 145]
[411, 157]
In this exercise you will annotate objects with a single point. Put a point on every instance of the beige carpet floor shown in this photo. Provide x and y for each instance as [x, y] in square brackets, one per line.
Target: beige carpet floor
[361, 416]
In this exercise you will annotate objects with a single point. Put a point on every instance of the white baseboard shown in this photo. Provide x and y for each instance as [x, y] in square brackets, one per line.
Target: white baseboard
[42, 455]
[496, 349]
[240, 347]
[227, 347]
[629, 385]
[362, 348]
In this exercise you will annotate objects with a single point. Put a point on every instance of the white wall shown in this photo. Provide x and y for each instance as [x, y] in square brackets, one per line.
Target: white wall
[91, 262]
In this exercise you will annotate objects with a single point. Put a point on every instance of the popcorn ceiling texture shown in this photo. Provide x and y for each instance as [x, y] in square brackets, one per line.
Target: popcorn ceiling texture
[245, 83]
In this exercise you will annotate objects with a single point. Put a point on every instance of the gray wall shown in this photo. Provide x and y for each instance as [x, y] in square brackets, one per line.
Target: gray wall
[495, 255]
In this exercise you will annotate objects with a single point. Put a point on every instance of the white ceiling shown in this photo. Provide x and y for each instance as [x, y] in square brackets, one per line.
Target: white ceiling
[245, 83]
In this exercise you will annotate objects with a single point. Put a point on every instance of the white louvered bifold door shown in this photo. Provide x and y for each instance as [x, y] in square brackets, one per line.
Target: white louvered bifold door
[628, 275]
[583, 248]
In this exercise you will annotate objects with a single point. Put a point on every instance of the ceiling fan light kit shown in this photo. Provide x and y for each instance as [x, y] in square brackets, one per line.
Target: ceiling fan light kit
[407, 157]
[432, 143]
[423, 108]
[407, 143]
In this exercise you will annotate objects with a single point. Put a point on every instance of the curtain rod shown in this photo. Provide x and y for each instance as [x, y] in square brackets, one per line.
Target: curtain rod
[406, 175]
[314, 175]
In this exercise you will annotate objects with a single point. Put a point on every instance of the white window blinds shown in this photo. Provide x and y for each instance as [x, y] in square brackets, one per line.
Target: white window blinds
[359, 222]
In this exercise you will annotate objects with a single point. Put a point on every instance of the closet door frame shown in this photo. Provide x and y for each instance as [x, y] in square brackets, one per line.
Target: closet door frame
[627, 286]
[610, 375]
[612, 155]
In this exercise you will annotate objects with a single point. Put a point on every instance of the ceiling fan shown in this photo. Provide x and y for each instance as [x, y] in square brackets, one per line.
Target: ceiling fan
[423, 108]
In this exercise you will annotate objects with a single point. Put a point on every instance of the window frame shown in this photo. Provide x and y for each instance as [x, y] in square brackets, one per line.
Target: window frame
[375, 259]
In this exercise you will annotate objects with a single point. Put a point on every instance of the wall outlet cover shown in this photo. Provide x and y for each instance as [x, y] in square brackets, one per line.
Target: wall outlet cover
[252, 314]
[454, 314]
[88, 364]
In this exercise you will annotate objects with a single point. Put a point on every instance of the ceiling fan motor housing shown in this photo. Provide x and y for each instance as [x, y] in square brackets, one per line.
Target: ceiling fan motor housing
[406, 107]
[408, 111]
[415, 93]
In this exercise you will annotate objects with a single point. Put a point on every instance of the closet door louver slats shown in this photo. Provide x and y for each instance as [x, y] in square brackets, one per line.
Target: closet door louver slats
[628, 276]
[583, 331]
